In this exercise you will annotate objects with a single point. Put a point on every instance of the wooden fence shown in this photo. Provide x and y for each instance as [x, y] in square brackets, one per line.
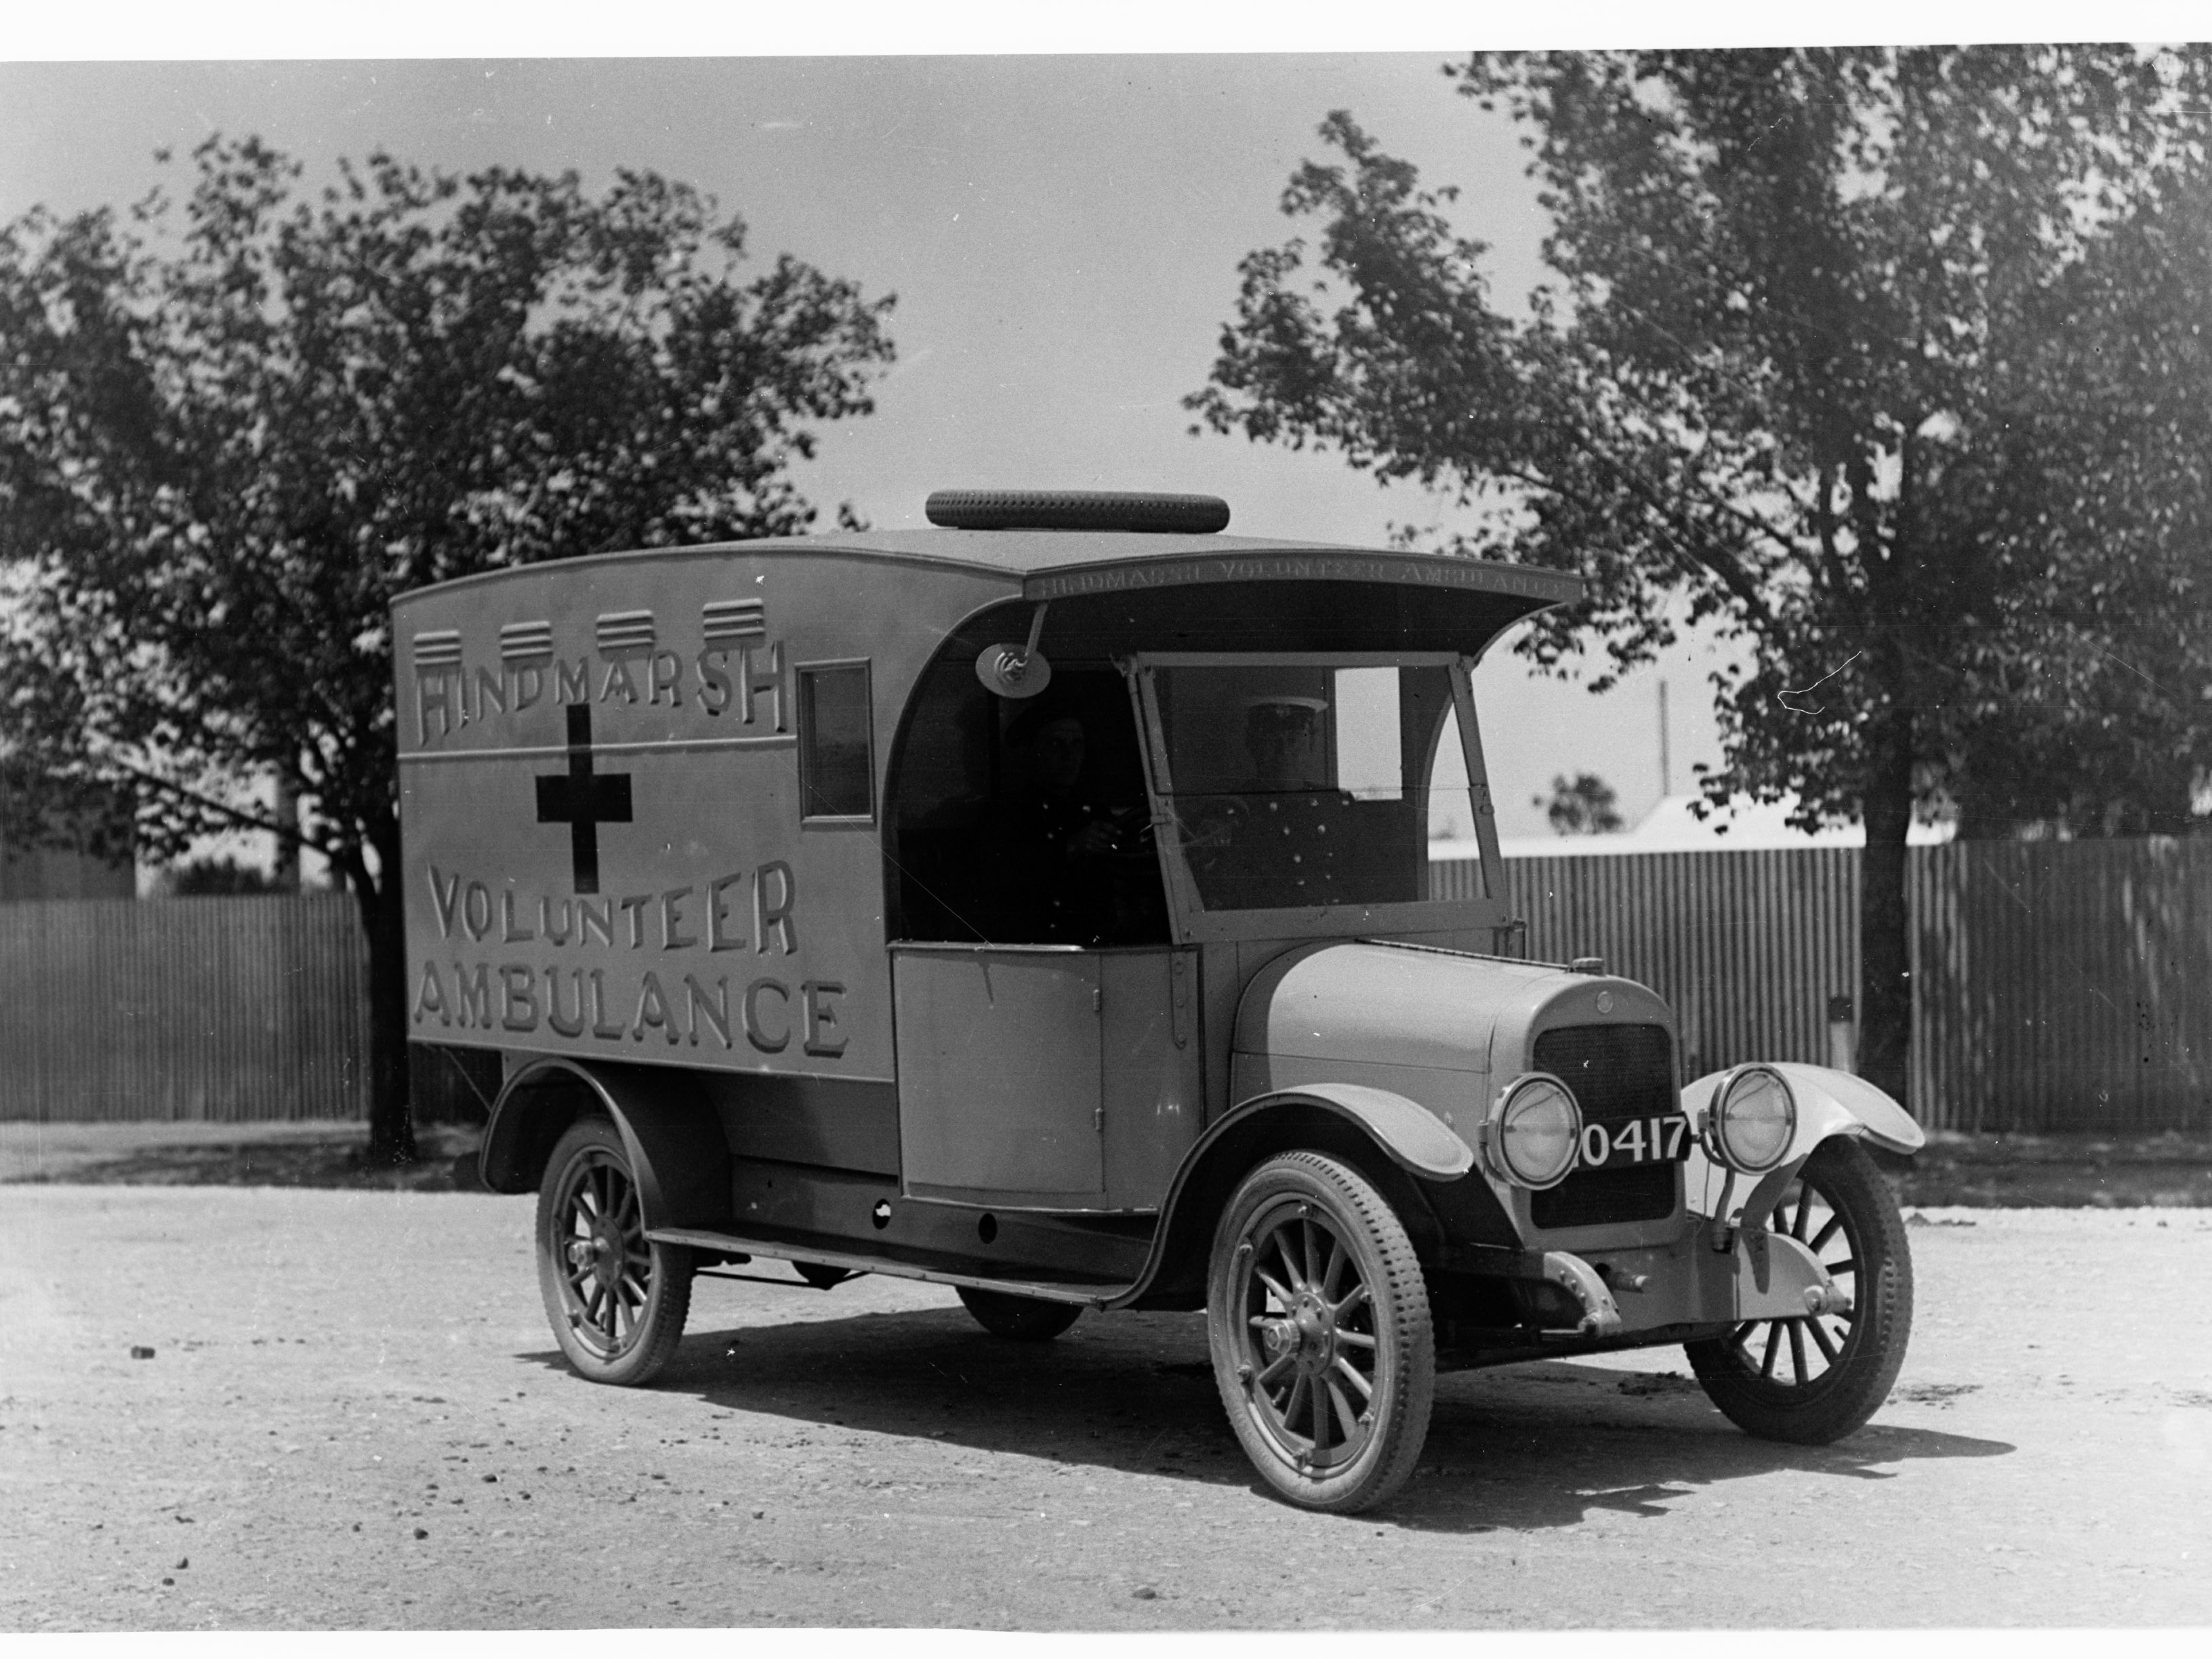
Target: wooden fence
[2056, 985]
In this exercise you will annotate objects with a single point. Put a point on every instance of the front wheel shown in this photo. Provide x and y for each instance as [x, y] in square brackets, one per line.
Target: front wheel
[617, 1300]
[1318, 1321]
[1811, 1381]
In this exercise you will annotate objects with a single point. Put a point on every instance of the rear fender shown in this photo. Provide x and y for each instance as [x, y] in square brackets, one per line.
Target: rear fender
[1400, 1146]
[671, 1135]
[1829, 1102]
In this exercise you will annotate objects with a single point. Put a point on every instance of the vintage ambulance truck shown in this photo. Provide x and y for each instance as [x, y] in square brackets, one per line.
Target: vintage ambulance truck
[1040, 905]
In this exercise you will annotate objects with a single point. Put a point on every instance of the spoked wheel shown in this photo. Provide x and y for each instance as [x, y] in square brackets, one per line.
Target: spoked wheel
[617, 1300]
[1813, 1380]
[1318, 1320]
[1022, 1318]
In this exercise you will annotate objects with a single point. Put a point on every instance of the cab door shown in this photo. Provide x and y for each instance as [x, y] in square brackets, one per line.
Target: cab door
[1001, 1087]
[1046, 1076]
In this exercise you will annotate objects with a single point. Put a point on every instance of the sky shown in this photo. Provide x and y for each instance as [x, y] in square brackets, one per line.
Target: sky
[1061, 232]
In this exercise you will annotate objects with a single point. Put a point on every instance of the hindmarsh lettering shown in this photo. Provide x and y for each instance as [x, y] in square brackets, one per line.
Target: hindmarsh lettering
[751, 678]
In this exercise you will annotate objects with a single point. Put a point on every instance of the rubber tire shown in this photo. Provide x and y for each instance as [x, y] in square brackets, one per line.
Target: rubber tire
[1406, 1365]
[1841, 1398]
[1019, 1318]
[668, 1293]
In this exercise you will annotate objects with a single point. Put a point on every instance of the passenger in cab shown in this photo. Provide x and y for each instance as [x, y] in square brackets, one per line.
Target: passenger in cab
[1283, 835]
[1065, 865]
[1282, 735]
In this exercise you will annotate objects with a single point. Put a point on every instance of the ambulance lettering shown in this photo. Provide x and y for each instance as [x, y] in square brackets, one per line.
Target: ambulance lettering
[755, 911]
[739, 670]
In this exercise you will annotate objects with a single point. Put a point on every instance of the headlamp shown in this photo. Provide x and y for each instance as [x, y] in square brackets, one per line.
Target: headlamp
[1753, 1120]
[1534, 1131]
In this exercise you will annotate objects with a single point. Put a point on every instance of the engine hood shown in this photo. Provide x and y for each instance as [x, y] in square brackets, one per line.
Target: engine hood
[1379, 1003]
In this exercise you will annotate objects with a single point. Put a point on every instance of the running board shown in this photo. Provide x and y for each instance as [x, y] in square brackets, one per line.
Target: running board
[1089, 1296]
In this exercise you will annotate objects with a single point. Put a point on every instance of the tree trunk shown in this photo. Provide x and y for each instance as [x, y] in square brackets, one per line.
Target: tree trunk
[1885, 948]
[286, 874]
[390, 1109]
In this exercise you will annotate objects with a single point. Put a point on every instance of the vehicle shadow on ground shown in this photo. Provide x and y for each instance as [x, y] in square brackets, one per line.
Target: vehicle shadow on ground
[1521, 1448]
[1547, 1444]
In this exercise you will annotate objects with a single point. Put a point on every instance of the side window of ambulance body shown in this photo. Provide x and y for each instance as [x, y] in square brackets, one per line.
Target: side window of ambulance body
[836, 749]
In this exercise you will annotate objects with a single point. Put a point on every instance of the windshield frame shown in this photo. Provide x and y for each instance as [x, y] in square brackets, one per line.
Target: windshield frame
[1189, 920]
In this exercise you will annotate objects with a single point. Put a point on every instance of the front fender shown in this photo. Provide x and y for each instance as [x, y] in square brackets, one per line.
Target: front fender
[1829, 1102]
[1404, 1145]
[1412, 1134]
[671, 1135]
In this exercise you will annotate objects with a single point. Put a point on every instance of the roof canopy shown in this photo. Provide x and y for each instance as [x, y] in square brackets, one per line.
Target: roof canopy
[1054, 564]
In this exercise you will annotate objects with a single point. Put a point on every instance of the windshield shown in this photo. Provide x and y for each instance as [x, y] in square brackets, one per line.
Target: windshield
[1295, 785]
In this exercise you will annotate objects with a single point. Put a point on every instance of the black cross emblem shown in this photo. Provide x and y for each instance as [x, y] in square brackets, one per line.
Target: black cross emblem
[583, 800]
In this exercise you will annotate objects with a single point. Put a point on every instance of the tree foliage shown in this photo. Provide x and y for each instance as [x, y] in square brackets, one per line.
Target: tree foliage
[1887, 363]
[233, 429]
[1584, 804]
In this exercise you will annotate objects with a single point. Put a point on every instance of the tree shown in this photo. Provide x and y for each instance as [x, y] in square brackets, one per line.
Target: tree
[1584, 804]
[2104, 731]
[229, 436]
[1806, 372]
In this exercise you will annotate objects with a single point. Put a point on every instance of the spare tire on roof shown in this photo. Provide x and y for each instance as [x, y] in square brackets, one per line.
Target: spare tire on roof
[1077, 509]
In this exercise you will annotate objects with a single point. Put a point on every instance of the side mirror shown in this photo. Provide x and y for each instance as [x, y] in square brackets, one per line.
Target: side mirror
[1016, 671]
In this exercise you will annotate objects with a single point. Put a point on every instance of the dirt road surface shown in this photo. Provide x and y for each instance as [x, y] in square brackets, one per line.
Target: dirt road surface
[353, 1417]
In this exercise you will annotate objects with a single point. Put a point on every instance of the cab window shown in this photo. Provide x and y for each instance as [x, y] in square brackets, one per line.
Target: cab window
[1297, 785]
[1026, 821]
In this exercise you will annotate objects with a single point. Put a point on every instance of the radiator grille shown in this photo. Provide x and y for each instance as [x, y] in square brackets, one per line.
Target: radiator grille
[1617, 1073]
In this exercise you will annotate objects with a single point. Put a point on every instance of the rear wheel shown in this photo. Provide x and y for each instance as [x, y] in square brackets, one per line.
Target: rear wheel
[617, 1300]
[1814, 1380]
[1021, 1318]
[1318, 1321]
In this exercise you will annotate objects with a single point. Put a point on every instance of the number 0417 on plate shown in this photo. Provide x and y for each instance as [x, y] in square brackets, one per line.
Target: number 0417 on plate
[1660, 1139]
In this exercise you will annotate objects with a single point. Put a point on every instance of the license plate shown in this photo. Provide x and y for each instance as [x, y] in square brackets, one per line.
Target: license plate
[1663, 1140]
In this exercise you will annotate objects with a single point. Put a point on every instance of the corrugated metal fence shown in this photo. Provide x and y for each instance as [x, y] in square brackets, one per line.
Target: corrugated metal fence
[232, 1009]
[2064, 985]
[2056, 985]
[1748, 947]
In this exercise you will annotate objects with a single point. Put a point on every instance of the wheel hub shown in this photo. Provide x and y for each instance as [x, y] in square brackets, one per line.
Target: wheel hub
[1306, 1332]
[601, 1253]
